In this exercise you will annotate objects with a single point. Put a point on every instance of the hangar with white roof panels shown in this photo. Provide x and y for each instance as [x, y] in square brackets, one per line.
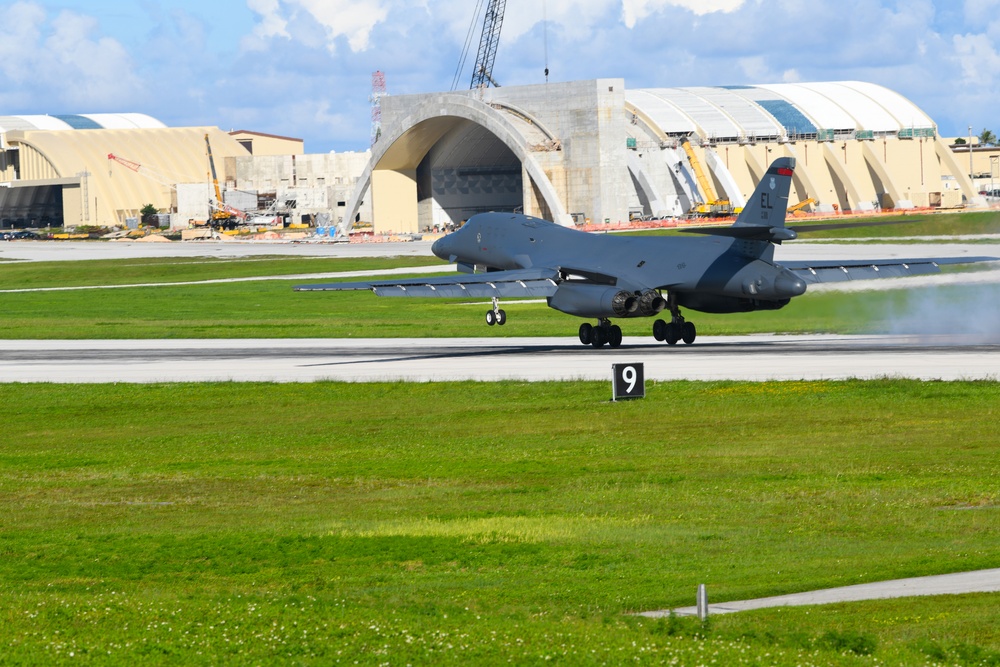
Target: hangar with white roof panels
[598, 151]
[55, 170]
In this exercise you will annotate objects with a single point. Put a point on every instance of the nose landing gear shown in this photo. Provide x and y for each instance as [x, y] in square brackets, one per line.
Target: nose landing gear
[496, 315]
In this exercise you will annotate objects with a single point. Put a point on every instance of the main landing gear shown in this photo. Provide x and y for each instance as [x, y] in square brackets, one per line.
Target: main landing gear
[675, 330]
[496, 315]
[603, 334]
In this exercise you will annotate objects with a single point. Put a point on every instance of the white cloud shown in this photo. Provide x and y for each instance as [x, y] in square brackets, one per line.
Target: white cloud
[978, 58]
[352, 20]
[981, 10]
[60, 61]
[272, 23]
[634, 11]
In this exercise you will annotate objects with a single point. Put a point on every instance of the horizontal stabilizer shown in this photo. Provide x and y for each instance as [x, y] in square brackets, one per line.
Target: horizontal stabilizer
[519, 283]
[835, 272]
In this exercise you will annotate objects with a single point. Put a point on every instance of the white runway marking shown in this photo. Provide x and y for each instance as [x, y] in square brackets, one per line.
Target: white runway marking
[753, 358]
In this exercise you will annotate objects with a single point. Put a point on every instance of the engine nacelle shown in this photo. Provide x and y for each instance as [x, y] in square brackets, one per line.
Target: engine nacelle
[589, 300]
[651, 303]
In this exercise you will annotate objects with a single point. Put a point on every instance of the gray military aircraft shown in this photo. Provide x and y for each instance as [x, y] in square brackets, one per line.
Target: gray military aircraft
[727, 270]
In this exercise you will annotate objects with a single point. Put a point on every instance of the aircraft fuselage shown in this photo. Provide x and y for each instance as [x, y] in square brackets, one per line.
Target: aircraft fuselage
[711, 274]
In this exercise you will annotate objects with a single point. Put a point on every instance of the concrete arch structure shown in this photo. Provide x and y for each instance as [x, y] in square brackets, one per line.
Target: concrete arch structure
[405, 145]
[596, 151]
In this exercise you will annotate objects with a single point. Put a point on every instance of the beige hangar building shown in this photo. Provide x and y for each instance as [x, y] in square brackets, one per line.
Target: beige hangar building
[57, 170]
[598, 151]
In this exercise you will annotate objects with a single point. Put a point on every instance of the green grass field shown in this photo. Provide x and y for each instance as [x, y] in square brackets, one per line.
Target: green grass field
[486, 523]
[472, 523]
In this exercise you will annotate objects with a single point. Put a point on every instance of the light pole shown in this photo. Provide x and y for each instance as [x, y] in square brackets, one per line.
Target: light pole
[971, 180]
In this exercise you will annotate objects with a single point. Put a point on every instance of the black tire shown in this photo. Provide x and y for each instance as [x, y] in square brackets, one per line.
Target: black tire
[615, 336]
[491, 317]
[598, 337]
[501, 317]
[586, 333]
[688, 333]
[673, 334]
[660, 330]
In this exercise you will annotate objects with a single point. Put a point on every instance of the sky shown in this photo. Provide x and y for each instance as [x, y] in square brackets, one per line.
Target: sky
[303, 68]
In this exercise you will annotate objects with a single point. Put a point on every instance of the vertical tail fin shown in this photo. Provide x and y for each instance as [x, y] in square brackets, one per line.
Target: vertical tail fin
[768, 204]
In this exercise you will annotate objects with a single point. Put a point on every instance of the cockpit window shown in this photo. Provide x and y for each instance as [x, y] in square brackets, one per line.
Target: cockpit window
[535, 222]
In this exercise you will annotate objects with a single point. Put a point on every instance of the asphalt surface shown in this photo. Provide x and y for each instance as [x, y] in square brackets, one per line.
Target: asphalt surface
[981, 581]
[753, 358]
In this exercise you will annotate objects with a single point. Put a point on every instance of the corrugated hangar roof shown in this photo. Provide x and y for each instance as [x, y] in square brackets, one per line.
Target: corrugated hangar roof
[728, 113]
[169, 155]
[92, 121]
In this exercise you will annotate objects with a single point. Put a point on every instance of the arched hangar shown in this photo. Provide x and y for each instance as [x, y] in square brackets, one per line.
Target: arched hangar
[54, 170]
[596, 151]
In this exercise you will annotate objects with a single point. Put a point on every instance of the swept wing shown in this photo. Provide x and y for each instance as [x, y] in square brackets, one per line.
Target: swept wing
[840, 271]
[534, 282]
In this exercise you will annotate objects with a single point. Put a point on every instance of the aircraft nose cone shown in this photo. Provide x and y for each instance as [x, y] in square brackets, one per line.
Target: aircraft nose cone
[788, 285]
[440, 247]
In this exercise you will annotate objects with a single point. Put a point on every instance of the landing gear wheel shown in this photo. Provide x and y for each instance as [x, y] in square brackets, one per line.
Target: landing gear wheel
[491, 317]
[673, 334]
[660, 330]
[615, 336]
[501, 318]
[598, 337]
[586, 333]
[688, 333]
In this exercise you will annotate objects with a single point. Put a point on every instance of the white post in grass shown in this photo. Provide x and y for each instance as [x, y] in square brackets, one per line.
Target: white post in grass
[702, 603]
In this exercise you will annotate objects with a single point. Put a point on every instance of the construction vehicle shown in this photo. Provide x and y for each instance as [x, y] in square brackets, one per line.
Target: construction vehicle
[797, 208]
[223, 216]
[712, 207]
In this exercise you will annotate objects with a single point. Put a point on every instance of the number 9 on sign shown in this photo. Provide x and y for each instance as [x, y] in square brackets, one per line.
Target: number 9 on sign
[628, 381]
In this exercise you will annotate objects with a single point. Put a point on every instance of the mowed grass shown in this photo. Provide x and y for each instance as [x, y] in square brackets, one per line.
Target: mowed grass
[269, 307]
[472, 523]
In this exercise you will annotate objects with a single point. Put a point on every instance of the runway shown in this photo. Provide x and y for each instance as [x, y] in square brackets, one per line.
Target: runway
[751, 358]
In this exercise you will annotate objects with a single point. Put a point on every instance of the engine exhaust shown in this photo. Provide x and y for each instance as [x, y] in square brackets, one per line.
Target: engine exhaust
[650, 303]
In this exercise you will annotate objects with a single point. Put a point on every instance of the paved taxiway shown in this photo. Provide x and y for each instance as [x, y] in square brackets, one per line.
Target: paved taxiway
[980, 581]
[755, 358]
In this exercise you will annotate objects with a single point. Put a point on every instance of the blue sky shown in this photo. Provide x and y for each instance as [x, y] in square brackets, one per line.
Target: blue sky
[303, 67]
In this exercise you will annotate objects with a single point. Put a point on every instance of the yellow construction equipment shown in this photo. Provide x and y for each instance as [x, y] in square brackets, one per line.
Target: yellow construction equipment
[713, 206]
[223, 215]
[801, 205]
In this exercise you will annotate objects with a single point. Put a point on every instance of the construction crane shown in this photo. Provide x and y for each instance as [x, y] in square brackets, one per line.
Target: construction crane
[142, 170]
[223, 215]
[713, 206]
[482, 73]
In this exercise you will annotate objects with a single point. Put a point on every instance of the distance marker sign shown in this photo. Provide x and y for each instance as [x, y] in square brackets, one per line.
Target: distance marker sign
[628, 381]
